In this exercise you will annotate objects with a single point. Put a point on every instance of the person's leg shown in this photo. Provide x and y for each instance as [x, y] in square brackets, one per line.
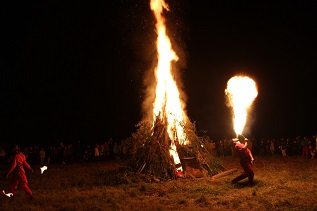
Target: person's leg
[249, 171]
[24, 185]
[14, 185]
[26, 188]
[305, 151]
[240, 177]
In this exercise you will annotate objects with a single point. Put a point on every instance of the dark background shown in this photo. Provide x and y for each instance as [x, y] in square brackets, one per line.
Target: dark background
[74, 70]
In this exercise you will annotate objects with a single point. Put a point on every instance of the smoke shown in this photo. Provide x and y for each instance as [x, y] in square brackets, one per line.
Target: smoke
[149, 83]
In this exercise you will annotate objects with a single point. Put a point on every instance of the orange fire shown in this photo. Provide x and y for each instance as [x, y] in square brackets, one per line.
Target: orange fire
[168, 104]
[241, 92]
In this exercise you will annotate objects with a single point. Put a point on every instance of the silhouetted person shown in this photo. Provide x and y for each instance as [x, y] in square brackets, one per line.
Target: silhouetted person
[17, 169]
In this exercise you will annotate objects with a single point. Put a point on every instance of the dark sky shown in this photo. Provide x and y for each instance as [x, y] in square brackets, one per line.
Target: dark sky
[74, 70]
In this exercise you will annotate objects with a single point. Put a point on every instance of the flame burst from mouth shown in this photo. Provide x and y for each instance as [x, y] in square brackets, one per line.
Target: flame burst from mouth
[168, 105]
[241, 92]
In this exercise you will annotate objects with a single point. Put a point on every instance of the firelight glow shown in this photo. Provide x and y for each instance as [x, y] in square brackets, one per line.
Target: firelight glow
[241, 92]
[168, 105]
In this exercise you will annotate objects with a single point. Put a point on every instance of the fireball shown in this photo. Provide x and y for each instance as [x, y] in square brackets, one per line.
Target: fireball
[241, 92]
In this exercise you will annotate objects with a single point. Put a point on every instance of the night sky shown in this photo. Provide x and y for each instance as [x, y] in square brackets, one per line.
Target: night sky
[74, 70]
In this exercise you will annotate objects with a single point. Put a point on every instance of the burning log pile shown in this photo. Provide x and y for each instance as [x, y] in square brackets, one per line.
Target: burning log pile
[149, 152]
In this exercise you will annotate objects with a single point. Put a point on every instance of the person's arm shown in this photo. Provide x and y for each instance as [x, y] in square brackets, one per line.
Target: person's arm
[26, 164]
[252, 159]
[249, 151]
[245, 143]
[250, 154]
[13, 165]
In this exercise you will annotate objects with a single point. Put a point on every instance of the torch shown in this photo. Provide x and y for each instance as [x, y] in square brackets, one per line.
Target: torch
[7, 194]
[43, 168]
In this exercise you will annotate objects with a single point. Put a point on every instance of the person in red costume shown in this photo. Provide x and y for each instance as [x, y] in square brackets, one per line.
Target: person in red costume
[18, 172]
[246, 160]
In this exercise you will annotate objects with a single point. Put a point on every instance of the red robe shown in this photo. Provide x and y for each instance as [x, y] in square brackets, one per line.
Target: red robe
[245, 162]
[17, 168]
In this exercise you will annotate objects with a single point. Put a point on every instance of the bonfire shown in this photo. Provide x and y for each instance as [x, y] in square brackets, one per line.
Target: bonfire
[166, 143]
[148, 152]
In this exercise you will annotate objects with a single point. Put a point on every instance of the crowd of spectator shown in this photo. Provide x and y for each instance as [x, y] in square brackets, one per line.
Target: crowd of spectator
[113, 150]
[45, 154]
[301, 145]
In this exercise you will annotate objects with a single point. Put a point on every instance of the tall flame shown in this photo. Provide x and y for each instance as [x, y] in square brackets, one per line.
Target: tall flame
[168, 104]
[241, 92]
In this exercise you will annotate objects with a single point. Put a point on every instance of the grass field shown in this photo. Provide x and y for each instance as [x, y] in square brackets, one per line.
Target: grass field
[281, 183]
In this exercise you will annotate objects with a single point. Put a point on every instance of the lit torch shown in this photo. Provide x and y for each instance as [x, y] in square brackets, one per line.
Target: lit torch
[241, 92]
[43, 169]
[7, 194]
[168, 105]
